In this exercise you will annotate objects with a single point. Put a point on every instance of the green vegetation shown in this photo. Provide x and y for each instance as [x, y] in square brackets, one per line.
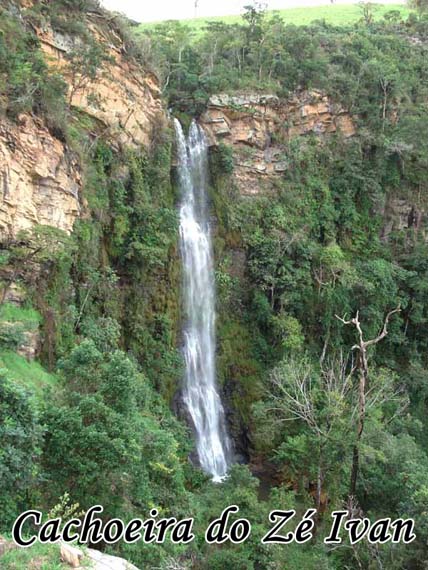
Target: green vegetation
[93, 416]
[265, 54]
[336, 14]
[40, 556]
[25, 81]
[26, 373]
[28, 316]
[21, 436]
[314, 250]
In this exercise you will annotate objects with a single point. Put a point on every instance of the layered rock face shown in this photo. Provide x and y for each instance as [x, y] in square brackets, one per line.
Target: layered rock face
[40, 178]
[124, 99]
[259, 126]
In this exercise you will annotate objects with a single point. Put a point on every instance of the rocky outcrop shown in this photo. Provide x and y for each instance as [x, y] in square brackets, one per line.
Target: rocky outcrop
[123, 98]
[258, 127]
[403, 213]
[40, 179]
[12, 292]
[29, 348]
[94, 559]
[71, 555]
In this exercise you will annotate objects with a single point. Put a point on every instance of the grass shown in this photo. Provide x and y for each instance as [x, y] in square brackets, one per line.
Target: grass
[28, 316]
[336, 14]
[29, 374]
[38, 557]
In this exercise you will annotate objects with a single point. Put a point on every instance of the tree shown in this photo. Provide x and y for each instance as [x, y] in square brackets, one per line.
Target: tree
[367, 9]
[420, 5]
[254, 15]
[382, 72]
[361, 366]
[171, 40]
[321, 401]
[21, 436]
[104, 435]
[86, 61]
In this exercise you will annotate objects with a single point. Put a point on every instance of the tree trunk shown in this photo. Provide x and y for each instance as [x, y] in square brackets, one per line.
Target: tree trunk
[362, 366]
[320, 478]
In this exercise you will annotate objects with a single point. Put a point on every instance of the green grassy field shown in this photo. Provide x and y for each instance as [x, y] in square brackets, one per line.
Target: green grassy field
[333, 14]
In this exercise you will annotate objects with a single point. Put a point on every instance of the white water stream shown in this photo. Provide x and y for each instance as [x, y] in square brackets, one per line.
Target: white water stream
[200, 393]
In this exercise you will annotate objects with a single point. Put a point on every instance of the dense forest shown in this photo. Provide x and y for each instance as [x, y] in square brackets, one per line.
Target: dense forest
[322, 291]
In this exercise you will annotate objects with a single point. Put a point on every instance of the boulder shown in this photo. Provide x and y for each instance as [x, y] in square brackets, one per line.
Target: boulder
[71, 555]
[101, 561]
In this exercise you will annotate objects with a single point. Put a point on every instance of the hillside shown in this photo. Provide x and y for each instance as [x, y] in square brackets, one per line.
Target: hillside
[213, 282]
[336, 14]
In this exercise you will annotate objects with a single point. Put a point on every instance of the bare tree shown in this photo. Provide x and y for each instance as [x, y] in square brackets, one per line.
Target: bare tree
[361, 364]
[294, 395]
[329, 403]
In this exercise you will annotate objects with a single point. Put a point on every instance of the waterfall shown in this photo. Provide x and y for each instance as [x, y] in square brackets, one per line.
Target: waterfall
[200, 392]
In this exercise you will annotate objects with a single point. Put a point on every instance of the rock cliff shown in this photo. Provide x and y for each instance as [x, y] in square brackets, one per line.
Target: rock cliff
[124, 99]
[258, 126]
[405, 212]
[40, 176]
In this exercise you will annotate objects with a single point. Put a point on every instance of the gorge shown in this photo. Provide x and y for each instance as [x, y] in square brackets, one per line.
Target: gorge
[170, 288]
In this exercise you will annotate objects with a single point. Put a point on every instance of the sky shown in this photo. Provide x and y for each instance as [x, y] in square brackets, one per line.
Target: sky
[152, 10]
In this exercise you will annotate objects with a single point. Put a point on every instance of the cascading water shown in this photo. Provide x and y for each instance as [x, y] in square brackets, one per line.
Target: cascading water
[200, 393]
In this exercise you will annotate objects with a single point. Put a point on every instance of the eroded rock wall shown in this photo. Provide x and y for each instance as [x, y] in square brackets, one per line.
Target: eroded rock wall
[404, 213]
[40, 178]
[259, 126]
[125, 99]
